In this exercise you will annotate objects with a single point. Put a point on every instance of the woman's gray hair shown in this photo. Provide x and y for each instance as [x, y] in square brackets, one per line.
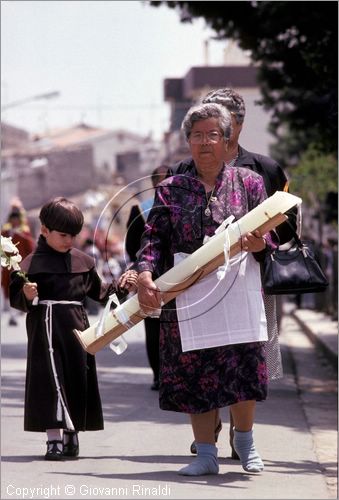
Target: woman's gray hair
[230, 99]
[205, 111]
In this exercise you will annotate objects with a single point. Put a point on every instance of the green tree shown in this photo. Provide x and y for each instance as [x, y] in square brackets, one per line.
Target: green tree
[315, 176]
[295, 46]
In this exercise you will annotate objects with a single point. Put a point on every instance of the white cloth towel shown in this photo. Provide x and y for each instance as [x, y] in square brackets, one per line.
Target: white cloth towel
[215, 312]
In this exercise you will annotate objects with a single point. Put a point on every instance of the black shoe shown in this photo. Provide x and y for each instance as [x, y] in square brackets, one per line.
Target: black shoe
[234, 454]
[155, 385]
[193, 448]
[53, 450]
[71, 444]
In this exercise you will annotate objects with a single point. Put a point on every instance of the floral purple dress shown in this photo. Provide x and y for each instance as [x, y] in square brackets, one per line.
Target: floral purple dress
[201, 380]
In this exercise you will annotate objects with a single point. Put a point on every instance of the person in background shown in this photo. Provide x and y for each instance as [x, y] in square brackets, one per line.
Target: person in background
[112, 265]
[187, 209]
[274, 180]
[89, 248]
[62, 395]
[18, 229]
[135, 229]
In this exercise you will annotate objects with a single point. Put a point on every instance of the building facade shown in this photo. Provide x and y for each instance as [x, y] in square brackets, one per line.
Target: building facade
[182, 93]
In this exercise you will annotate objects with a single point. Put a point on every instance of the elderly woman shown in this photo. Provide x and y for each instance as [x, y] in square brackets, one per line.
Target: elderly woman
[188, 208]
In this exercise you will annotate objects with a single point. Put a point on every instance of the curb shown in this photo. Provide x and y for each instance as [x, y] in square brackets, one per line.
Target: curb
[318, 341]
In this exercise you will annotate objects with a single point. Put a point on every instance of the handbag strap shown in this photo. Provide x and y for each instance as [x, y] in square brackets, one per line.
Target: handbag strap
[299, 220]
[295, 235]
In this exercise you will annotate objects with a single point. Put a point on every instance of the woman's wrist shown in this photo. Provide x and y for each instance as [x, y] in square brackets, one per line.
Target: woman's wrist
[264, 245]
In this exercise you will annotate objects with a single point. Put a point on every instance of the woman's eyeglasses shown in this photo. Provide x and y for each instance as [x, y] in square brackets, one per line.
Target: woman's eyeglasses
[199, 138]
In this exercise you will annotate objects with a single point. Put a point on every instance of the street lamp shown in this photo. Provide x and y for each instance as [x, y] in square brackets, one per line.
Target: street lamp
[47, 95]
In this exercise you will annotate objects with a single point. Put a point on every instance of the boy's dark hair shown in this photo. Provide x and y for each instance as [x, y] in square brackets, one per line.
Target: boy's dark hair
[62, 215]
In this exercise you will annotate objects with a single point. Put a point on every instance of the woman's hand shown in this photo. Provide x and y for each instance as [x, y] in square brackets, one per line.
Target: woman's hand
[129, 280]
[30, 290]
[148, 294]
[253, 242]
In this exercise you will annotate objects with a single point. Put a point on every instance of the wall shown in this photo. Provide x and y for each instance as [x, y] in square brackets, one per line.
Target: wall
[254, 135]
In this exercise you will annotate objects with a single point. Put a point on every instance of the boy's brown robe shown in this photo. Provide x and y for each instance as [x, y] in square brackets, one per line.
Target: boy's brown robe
[60, 276]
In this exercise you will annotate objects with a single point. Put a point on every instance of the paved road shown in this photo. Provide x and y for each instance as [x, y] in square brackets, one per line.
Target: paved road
[142, 447]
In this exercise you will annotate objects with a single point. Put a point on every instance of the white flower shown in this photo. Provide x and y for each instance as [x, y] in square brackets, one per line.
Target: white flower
[8, 246]
[4, 261]
[10, 256]
[14, 262]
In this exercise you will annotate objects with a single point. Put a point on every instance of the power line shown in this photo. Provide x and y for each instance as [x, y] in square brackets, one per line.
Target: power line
[92, 107]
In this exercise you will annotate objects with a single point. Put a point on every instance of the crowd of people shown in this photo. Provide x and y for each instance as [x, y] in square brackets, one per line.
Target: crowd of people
[188, 203]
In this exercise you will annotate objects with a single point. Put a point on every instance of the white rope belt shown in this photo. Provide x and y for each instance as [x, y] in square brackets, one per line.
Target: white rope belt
[49, 332]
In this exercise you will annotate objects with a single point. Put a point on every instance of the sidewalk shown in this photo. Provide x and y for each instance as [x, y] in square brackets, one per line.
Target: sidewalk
[141, 448]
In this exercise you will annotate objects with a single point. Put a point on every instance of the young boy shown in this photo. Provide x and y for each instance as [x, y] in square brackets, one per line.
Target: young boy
[62, 395]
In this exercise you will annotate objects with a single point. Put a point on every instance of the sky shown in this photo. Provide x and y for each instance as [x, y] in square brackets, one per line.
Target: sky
[106, 59]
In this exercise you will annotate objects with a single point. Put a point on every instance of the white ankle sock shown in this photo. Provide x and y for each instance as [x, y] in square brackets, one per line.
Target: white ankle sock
[244, 445]
[54, 434]
[206, 461]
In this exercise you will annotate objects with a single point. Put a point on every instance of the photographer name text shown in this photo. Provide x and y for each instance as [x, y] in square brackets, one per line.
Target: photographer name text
[71, 490]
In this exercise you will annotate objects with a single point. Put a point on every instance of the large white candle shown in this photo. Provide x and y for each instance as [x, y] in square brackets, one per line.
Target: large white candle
[127, 314]
[248, 223]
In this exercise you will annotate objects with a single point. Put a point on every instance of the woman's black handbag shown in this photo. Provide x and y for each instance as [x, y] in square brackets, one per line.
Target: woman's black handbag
[292, 268]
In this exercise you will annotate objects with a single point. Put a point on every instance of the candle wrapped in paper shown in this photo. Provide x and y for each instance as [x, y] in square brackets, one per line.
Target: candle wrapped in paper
[264, 217]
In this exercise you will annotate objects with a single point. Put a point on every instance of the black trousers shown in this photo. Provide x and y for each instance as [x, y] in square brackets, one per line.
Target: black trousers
[152, 330]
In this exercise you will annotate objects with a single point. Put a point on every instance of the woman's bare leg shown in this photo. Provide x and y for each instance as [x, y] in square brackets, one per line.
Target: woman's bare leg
[243, 416]
[206, 461]
[203, 425]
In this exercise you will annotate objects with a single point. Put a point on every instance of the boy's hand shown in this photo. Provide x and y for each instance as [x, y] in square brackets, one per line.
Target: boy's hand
[30, 290]
[129, 280]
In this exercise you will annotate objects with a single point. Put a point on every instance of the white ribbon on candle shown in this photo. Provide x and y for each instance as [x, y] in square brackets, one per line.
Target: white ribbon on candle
[221, 273]
[119, 345]
[224, 225]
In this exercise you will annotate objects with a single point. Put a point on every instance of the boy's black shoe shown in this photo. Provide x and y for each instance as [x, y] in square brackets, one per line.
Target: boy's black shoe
[71, 444]
[155, 385]
[54, 452]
